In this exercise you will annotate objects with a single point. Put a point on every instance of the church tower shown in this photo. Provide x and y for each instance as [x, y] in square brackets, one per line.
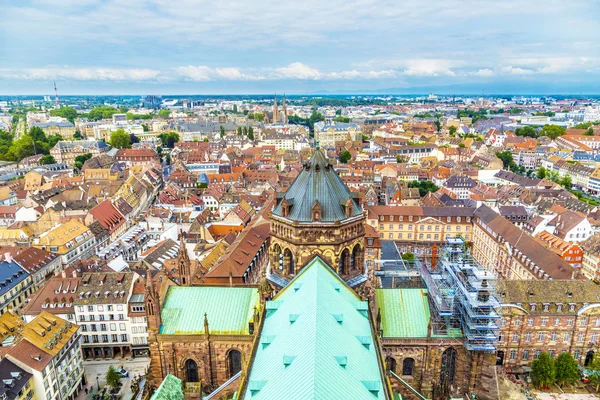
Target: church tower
[317, 215]
[285, 115]
[184, 265]
[275, 111]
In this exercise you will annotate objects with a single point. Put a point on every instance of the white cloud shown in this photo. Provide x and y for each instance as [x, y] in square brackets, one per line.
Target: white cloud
[484, 72]
[83, 74]
[510, 70]
[428, 68]
[297, 70]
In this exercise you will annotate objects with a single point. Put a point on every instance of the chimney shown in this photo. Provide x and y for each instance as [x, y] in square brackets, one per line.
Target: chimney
[63, 274]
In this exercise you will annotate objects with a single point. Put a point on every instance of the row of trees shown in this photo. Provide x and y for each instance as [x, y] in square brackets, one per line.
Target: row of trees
[245, 131]
[546, 371]
[566, 181]
[32, 143]
[551, 131]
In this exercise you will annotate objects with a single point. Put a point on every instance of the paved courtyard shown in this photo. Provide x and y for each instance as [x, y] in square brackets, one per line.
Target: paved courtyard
[95, 372]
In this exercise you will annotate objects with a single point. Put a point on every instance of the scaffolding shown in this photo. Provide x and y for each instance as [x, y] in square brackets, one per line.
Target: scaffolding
[463, 296]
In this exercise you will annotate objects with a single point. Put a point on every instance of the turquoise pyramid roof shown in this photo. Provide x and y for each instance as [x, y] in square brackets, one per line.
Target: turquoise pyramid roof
[169, 389]
[317, 183]
[316, 343]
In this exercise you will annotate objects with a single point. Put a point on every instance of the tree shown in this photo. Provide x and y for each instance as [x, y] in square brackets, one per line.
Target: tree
[102, 112]
[251, 133]
[438, 125]
[47, 159]
[566, 181]
[543, 371]
[506, 157]
[527, 131]
[452, 130]
[169, 139]
[164, 113]
[566, 369]
[541, 173]
[239, 130]
[235, 109]
[79, 161]
[120, 140]
[341, 119]
[552, 131]
[594, 375]
[133, 138]
[205, 140]
[345, 156]
[259, 116]
[222, 130]
[423, 186]
[245, 131]
[6, 139]
[408, 256]
[589, 132]
[553, 175]
[113, 379]
[462, 145]
[77, 135]
[65, 112]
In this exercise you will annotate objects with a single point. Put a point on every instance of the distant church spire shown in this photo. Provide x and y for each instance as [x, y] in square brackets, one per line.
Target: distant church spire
[285, 116]
[275, 111]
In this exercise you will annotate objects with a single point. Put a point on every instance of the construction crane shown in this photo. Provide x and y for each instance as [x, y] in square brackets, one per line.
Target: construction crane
[57, 105]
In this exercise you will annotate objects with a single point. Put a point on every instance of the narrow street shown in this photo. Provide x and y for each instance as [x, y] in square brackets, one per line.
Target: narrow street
[95, 372]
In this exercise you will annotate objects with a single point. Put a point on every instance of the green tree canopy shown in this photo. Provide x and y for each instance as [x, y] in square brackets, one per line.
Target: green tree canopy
[452, 130]
[164, 113]
[566, 181]
[47, 159]
[113, 379]
[589, 132]
[541, 173]
[239, 130]
[408, 256]
[6, 139]
[341, 119]
[169, 139]
[526, 131]
[65, 112]
[251, 133]
[552, 131]
[102, 112]
[120, 140]
[506, 157]
[543, 371]
[423, 186]
[566, 369]
[345, 156]
[222, 130]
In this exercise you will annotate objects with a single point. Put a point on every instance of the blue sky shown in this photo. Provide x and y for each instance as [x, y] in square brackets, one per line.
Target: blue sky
[247, 46]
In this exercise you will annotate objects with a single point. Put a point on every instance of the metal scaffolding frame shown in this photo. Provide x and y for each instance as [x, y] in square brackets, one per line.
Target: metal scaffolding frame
[463, 297]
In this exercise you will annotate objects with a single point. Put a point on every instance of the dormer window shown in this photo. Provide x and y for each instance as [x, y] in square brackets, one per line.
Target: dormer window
[316, 212]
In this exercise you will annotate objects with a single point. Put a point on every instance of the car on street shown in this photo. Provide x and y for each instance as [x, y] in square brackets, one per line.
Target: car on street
[123, 372]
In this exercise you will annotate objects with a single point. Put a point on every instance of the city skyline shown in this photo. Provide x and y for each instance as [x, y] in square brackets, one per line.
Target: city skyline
[92, 47]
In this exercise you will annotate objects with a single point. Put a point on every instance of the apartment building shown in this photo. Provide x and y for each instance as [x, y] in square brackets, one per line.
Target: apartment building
[63, 128]
[590, 264]
[416, 229]
[15, 285]
[101, 308]
[570, 252]
[40, 264]
[66, 151]
[553, 316]
[72, 240]
[501, 246]
[329, 132]
[17, 383]
[50, 350]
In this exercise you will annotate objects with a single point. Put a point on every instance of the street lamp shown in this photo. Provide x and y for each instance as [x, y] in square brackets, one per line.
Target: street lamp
[98, 382]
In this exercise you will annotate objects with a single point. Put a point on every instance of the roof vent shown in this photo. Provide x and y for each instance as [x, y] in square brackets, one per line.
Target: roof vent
[365, 341]
[297, 287]
[293, 318]
[342, 361]
[287, 360]
[373, 387]
[336, 287]
[362, 307]
[266, 341]
[339, 318]
[255, 386]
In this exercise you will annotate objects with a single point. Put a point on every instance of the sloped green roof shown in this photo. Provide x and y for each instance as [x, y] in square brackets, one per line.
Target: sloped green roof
[404, 312]
[316, 343]
[169, 389]
[319, 182]
[228, 309]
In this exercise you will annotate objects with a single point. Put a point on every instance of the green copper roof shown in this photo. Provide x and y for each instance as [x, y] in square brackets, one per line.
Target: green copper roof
[169, 389]
[317, 182]
[228, 309]
[404, 312]
[316, 343]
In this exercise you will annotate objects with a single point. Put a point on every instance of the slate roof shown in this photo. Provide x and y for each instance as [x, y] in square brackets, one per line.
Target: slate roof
[317, 183]
[229, 310]
[316, 343]
[17, 377]
[11, 275]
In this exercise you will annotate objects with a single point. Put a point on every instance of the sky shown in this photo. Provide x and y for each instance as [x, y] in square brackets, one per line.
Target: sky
[307, 46]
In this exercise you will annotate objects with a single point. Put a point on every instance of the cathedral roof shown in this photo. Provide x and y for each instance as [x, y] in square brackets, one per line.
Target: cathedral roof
[316, 343]
[317, 183]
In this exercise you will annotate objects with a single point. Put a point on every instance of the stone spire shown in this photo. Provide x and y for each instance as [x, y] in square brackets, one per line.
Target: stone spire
[275, 111]
[184, 264]
[285, 116]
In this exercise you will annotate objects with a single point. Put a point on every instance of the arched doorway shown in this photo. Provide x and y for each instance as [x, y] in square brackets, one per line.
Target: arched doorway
[448, 369]
[408, 366]
[288, 262]
[390, 364]
[191, 371]
[356, 261]
[500, 357]
[344, 267]
[589, 357]
[234, 362]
